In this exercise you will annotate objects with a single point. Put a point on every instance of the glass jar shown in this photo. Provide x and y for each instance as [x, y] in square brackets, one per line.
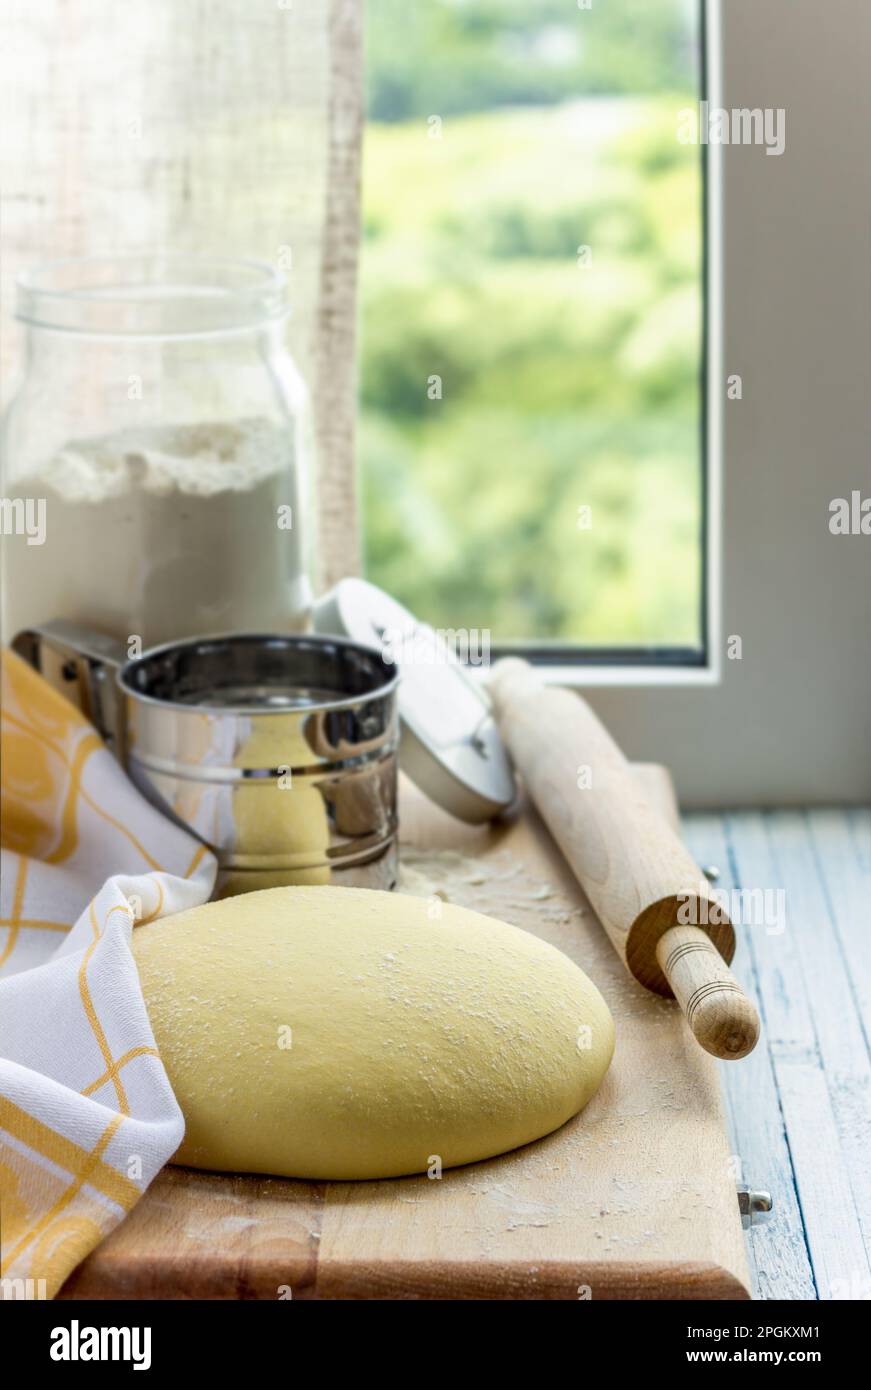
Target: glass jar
[155, 455]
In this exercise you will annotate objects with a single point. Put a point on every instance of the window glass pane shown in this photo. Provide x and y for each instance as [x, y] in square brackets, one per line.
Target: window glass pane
[532, 318]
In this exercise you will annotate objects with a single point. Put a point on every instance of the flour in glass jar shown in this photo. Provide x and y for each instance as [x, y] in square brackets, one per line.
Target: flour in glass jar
[164, 533]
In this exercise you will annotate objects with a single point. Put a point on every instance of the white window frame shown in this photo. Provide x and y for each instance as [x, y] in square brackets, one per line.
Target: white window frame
[789, 309]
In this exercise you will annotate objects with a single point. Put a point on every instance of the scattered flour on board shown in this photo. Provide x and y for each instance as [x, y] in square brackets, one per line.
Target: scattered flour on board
[499, 884]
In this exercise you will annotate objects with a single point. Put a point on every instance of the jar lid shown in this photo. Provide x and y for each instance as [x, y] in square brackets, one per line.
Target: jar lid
[450, 746]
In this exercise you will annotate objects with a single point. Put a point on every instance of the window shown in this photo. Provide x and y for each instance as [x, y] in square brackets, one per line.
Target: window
[531, 437]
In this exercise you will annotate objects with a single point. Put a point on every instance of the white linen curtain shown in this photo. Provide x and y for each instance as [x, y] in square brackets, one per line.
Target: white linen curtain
[220, 126]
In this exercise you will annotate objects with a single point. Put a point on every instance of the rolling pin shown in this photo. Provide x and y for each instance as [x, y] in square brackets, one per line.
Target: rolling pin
[647, 891]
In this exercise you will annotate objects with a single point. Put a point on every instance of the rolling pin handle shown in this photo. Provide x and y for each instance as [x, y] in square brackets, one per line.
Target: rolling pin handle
[722, 1019]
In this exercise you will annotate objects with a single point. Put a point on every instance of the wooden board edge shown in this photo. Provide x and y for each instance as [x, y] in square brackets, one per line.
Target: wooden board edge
[408, 1280]
[521, 1281]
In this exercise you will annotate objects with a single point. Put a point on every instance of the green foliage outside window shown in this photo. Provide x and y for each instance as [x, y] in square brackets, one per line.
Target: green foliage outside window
[531, 318]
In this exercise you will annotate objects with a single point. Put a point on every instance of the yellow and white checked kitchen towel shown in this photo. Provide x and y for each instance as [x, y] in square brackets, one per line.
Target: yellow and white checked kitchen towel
[87, 1115]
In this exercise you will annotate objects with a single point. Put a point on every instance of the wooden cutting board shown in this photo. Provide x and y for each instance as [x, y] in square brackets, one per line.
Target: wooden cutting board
[634, 1198]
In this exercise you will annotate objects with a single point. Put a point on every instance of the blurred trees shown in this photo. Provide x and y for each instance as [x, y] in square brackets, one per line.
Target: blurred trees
[531, 318]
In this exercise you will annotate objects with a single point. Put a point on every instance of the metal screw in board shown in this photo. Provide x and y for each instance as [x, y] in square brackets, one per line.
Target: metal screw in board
[753, 1203]
[711, 873]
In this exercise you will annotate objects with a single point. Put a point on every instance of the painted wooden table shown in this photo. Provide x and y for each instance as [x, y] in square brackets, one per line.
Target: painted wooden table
[799, 1108]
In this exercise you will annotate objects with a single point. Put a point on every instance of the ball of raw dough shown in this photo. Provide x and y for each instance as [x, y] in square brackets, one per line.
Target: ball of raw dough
[345, 1033]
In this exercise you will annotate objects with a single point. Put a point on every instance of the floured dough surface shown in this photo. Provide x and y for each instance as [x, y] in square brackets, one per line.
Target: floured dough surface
[347, 1033]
